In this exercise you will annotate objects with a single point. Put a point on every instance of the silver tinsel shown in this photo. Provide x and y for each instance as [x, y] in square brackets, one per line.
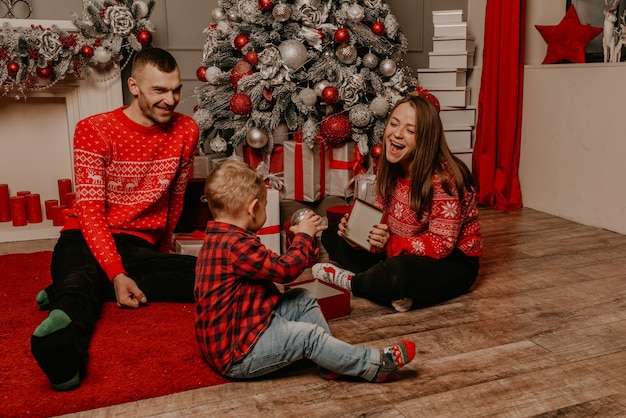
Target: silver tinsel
[360, 115]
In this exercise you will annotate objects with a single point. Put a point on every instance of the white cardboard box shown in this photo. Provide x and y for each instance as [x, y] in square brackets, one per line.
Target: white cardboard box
[452, 96]
[456, 116]
[447, 16]
[453, 43]
[450, 59]
[450, 77]
[466, 157]
[450, 29]
[459, 139]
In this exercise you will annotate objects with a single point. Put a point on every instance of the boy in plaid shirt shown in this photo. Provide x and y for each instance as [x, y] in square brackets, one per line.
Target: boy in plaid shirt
[245, 327]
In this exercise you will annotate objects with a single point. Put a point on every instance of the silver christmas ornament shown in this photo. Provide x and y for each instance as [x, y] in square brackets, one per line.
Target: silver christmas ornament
[379, 107]
[356, 12]
[140, 9]
[308, 96]
[101, 55]
[257, 138]
[320, 86]
[346, 53]
[370, 60]
[360, 115]
[300, 214]
[387, 67]
[233, 16]
[281, 12]
[280, 134]
[211, 74]
[217, 14]
[293, 53]
[218, 144]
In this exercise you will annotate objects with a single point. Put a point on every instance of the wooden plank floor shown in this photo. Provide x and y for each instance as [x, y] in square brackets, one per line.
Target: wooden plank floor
[543, 333]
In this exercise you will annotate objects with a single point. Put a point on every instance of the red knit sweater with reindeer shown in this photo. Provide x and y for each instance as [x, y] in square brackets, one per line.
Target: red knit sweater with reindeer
[129, 179]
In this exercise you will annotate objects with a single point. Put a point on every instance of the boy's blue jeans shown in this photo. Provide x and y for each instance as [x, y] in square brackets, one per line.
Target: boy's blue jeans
[299, 330]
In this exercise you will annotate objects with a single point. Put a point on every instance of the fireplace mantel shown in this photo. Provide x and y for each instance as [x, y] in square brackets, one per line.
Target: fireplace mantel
[37, 131]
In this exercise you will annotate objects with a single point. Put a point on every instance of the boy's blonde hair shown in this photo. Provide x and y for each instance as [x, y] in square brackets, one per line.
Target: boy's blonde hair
[231, 185]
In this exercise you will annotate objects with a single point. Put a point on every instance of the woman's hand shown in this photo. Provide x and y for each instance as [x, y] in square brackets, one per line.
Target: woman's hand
[378, 237]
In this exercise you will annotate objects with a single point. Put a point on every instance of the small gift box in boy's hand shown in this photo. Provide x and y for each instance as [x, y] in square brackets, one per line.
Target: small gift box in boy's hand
[363, 217]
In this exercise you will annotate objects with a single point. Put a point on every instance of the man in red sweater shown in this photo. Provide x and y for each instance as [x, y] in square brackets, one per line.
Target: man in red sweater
[131, 167]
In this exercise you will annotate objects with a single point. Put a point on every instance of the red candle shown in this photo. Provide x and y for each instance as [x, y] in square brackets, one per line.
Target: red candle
[33, 208]
[49, 211]
[59, 215]
[5, 206]
[69, 200]
[22, 193]
[18, 210]
[65, 187]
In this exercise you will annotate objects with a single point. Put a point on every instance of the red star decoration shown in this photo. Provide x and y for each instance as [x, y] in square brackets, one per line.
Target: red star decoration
[567, 40]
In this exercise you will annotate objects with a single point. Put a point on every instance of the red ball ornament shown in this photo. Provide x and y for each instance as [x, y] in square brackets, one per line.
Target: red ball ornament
[266, 5]
[144, 37]
[336, 129]
[251, 58]
[239, 71]
[330, 95]
[378, 28]
[240, 104]
[376, 151]
[240, 41]
[201, 74]
[86, 51]
[44, 72]
[12, 68]
[342, 35]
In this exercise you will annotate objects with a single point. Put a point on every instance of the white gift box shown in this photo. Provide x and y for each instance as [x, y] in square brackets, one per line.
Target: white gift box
[270, 231]
[451, 59]
[365, 187]
[459, 139]
[340, 168]
[466, 157]
[188, 243]
[454, 44]
[452, 96]
[450, 29]
[305, 171]
[449, 77]
[447, 16]
[456, 116]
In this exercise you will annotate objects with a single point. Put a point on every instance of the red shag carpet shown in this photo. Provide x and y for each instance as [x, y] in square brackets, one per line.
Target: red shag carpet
[134, 354]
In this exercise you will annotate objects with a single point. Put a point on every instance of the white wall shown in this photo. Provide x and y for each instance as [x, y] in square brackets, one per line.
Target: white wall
[573, 145]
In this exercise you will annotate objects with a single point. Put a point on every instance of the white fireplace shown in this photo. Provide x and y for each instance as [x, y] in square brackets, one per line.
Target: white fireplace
[36, 134]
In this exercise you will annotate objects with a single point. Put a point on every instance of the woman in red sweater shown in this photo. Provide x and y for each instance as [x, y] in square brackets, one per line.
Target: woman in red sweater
[428, 249]
[131, 167]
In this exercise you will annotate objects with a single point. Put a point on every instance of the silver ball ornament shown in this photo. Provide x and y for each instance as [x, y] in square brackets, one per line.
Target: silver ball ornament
[211, 75]
[346, 53]
[218, 144]
[379, 107]
[360, 115]
[356, 12]
[388, 67]
[370, 60]
[140, 9]
[101, 55]
[257, 138]
[217, 14]
[293, 53]
[232, 16]
[320, 86]
[281, 12]
[308, 96]
[300, 214]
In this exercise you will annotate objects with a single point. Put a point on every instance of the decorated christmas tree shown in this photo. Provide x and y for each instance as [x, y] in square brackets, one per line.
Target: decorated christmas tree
[317, 69]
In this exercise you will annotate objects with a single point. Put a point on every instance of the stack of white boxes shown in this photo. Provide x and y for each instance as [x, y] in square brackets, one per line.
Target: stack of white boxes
[446, 78]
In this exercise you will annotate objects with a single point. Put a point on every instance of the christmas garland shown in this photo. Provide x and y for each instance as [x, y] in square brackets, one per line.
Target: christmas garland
[35, 58]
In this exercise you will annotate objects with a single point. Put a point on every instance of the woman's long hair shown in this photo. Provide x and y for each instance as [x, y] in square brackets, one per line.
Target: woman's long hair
[431, 156]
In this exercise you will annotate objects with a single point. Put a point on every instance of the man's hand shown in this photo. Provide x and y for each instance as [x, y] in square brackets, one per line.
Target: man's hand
[127, 292]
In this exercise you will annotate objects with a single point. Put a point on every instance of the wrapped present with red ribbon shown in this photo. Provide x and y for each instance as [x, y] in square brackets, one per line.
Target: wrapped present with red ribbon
[255, 156]
[203, 164]
[345, 161]
[270, 231]
[188, 243]
[305, 171]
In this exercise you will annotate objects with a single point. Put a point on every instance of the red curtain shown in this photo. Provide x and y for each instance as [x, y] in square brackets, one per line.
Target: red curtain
[498, 129]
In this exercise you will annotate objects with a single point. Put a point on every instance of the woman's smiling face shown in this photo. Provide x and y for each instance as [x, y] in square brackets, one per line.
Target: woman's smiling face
[401, 136]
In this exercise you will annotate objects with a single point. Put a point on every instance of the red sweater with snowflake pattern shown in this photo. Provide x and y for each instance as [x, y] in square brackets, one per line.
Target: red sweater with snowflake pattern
[130, 179]
[447, 224]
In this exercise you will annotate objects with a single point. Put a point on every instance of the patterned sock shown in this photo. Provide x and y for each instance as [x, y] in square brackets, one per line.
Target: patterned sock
[332, 274]
[392, 358]
[328, 374]
[402, 305]
[53, 346]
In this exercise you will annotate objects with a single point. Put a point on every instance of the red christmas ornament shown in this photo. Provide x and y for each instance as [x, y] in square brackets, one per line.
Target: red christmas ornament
[12, 68]
[376, 151]
[342, 35]
[266, 5]
[321, 34]
[240, 104]
[378, 28]
[330, 95]
[239, 71]
[240, 41]
[86, 51]
[335, 129]
[251, 58]
[201, 74]
[44, 72]
[144, 37]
